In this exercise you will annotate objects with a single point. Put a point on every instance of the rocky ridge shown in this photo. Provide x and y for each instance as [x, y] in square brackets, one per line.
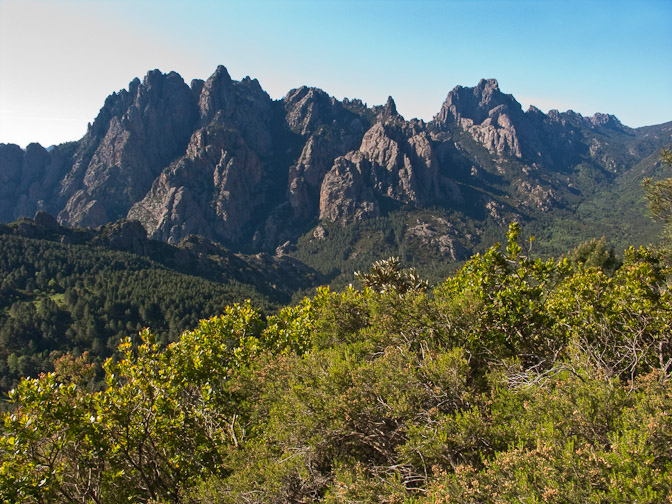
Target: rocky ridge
[219, 158]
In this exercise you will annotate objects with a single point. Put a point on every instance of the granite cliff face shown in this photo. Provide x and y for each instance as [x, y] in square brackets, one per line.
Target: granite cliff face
[221, 159]
[490, 116]
[395, 160]
[327, 130]
[135, 135]
[215, 186]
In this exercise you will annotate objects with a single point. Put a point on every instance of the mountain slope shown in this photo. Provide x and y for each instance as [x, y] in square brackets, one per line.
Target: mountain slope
[221, 159]
[74, 290]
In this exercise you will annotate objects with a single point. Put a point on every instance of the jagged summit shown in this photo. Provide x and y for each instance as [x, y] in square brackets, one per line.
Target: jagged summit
[475, 103]
[390, 109]
[607, 120]
[220, 158]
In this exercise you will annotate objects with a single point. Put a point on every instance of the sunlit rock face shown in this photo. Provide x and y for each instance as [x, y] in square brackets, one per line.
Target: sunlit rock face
[221, 159]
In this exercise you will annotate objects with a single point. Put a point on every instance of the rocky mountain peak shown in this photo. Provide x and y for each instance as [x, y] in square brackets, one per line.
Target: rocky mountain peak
[491, 116]
[237, 101]
[307, 108]
[534, 111]
[387, 112]
[220, 179]
[216, 94]
[487, 88]
[475, 103]
[390, 108]
[155, 78]
[243, 106]
[221, 159]
[605, 120]
[136, 133]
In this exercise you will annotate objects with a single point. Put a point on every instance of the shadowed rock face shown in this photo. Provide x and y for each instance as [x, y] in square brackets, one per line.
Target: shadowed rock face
[29, 179]
[221, 159]
[136, 134]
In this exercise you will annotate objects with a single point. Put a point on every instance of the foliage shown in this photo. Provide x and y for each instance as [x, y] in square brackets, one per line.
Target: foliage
[659, 194]
[621, 323]
[387, 275]
[58, 298]
[495, 305]
[164, 419]
[595, 254]
[516, 379]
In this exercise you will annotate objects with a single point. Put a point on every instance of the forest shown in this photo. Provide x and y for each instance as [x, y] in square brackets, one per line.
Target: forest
[68, 290]
[57, 298]
[516, 379]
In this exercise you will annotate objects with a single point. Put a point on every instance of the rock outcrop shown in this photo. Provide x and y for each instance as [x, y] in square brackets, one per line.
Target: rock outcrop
[395, 161]
[345, 195]
[329, 130]
[489, 115]
[29, 179]
[136, 134]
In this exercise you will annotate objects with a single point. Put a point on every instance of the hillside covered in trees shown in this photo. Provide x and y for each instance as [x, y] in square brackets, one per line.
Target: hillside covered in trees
[515, 379]
[68, 290]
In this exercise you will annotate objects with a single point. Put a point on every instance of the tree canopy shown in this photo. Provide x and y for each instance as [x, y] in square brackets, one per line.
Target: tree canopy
[514, 379]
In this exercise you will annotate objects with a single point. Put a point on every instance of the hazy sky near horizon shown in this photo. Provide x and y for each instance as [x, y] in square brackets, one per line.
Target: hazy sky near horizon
[60, 59]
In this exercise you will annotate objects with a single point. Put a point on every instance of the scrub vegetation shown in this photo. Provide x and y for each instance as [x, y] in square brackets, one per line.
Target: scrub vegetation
[514, 379]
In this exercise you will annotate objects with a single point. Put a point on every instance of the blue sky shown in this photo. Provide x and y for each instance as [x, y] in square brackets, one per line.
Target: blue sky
[59, 59]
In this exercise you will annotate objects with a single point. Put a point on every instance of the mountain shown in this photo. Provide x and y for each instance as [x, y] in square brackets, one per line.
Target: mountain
[511, 378]
[221, 159]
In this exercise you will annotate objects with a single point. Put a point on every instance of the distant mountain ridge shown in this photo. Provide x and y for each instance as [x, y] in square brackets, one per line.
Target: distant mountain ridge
[221, 159]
